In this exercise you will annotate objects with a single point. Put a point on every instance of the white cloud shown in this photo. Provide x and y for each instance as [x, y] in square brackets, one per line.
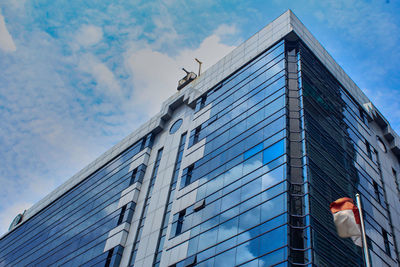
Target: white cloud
[155, 75]
[88, 35]
[58, 118]
[52, 125]
[164, 35]
[225, 29]
[17, 4]
[101, 73]
[6, 40]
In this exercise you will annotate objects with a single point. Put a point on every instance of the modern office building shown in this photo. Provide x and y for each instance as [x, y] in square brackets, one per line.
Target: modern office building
[237, 169]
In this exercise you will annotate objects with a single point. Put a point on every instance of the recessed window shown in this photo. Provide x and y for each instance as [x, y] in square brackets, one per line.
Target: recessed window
[201, 103]
[386, 241]
[133, 176]
[396, 181]
[381, 144]
[186, 178]
[121, 215]
[109, 257]
[189, 174]
[368, 146]
[196, 134]
[138, 174]
[363, 116]
[175, 127]
[181, 218]
[376, 191]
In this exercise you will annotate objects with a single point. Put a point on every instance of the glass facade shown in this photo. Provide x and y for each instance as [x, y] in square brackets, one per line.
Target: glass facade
[341, 162]
[241, 176]
[72, 231]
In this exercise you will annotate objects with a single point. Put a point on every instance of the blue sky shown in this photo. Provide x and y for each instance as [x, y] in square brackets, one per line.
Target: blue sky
[78, 76]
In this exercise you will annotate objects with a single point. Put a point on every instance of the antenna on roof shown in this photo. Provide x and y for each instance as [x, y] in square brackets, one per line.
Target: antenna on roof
[198, 61]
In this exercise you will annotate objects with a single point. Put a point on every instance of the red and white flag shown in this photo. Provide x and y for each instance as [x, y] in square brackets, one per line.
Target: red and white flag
[347, 219]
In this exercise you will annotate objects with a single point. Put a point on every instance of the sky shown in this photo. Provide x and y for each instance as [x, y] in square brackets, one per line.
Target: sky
[76, 77]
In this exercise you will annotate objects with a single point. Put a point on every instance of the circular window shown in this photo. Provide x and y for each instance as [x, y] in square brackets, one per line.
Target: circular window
[381, 144]
[175, 126]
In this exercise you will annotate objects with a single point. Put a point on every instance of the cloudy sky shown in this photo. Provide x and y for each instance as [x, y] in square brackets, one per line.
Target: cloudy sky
[78, 76]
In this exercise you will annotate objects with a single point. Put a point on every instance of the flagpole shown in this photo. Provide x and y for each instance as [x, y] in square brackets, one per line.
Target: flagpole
[363, 235]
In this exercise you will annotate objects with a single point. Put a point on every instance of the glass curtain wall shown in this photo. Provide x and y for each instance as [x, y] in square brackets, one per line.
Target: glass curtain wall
[242, 177]
[73, 230]
[340, 162]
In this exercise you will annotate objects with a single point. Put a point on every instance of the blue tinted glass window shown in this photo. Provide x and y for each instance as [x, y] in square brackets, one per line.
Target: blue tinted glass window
[175, 127]
[253, 151]
[273, 151]
[274, 257]
[226, 259]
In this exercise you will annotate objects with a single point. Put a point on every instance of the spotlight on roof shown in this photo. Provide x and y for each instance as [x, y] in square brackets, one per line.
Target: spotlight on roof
[190, 76]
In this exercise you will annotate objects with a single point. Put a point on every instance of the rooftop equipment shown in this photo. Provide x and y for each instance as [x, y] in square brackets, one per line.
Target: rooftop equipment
[190, 76]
